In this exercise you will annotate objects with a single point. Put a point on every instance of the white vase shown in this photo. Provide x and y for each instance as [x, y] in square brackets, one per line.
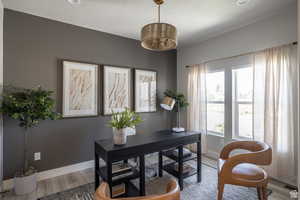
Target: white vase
[25, 184]
[120, 136]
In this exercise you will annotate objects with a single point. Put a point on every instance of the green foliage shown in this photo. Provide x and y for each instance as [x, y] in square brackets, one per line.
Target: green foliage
[28, 106]
[179, 98]
[124, 119]
[220, 128]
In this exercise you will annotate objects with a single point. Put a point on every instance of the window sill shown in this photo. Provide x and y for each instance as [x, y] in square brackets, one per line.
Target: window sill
[215, 134]
[241, 139]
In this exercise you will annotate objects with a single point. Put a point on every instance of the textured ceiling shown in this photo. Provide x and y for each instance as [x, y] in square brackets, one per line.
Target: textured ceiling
[196, 20]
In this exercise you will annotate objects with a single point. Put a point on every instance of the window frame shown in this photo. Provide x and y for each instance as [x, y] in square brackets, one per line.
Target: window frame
[230, 129]
[235, 105]
[210, 132]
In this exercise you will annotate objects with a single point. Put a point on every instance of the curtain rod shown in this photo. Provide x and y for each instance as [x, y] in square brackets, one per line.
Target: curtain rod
[244, 54]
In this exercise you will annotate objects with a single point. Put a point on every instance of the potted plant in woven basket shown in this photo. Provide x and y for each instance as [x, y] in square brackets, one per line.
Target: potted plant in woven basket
[120, 122]
[29, 107]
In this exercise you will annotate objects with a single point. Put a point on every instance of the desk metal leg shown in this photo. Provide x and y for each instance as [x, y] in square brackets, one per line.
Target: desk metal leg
[180, 165]
[97, 168]
[199, 166]
[142, 175]
[160, 164]
[109, 175]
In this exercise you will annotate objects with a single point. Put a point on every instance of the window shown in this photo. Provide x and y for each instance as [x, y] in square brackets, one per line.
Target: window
[215, 102]
[229, 101]
[242, 89]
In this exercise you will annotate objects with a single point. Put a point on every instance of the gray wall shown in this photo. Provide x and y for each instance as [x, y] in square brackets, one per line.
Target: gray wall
[33, 47]
[1, 82]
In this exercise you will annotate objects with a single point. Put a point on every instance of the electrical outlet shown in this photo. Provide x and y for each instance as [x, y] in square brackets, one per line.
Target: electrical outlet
[37, 156]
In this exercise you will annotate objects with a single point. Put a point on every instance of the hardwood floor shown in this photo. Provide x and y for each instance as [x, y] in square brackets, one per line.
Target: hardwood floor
[54, 185]
[73, 180]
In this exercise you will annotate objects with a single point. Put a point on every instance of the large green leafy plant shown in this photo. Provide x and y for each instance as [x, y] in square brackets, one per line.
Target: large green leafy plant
[29, 107]
[180, 99]
[124, 119]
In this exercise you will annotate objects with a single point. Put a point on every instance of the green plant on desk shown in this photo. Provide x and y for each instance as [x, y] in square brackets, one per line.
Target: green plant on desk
[125, 119]
[120, 122]
[181, 101]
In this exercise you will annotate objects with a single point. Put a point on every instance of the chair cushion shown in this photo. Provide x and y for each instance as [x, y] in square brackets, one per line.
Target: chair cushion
[244, 171]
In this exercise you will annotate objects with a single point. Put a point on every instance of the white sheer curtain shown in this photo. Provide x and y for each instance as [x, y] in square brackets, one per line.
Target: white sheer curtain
[275, 106]
[196, 113]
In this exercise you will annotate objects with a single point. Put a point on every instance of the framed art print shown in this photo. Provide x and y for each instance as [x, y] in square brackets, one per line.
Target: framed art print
[116, 89]
[80, 89]
[145, 82]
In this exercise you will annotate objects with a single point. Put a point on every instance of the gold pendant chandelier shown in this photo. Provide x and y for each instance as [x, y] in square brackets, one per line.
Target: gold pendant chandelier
[159, 36]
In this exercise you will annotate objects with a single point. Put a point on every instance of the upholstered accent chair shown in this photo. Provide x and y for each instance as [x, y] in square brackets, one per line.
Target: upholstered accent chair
[172, 193]
[242, 169]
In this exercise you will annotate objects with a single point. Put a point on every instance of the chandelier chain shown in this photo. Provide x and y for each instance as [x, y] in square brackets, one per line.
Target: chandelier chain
[159, 13]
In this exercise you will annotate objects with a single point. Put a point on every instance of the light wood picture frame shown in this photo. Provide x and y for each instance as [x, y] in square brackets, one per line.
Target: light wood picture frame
[80, 89]
[116, 89]
[145, 90]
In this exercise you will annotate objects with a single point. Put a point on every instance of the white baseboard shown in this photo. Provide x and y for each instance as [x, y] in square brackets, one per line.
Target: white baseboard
[9, 183]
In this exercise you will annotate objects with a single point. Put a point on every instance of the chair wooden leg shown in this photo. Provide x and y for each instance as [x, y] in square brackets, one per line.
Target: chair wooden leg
[264, 193]
[220, 191]
[259, 193]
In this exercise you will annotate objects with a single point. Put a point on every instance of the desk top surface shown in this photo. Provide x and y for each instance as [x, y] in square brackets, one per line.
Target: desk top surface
[141, 139]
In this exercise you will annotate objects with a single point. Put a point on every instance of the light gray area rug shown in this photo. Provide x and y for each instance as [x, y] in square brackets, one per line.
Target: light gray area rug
[206, 190]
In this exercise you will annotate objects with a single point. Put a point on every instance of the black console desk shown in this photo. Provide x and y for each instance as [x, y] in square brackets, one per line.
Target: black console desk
[138, 146]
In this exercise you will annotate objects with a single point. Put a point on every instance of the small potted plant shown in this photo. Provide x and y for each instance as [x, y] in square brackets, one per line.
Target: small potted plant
[180, 103]
[120, 122]
[29, 107]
